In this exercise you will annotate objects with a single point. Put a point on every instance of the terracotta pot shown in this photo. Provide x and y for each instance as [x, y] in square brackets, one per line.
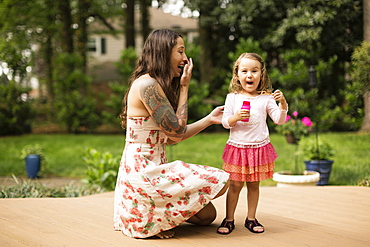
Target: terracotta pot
[290, 138]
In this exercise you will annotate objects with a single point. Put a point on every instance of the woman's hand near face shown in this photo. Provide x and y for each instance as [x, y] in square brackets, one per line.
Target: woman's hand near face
[187, 73]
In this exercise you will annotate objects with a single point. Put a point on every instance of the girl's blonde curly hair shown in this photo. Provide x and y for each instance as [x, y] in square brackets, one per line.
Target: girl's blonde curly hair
[264, 85]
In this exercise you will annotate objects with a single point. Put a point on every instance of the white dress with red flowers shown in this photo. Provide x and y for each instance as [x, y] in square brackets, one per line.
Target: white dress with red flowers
[152, 195]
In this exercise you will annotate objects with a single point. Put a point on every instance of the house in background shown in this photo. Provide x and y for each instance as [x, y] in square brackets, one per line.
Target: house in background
[105, 48]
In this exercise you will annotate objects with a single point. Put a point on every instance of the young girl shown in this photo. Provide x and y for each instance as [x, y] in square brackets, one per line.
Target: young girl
[248, 155]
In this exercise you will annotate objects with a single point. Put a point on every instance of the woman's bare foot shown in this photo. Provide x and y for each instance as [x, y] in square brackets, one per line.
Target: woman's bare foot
[166, 234]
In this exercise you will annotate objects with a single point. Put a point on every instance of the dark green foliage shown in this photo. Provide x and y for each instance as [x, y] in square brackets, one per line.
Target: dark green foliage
[197, 103]
[126, 64]
[360, 73]
[294, 35]
[15, 109]
[113, 101]
[75, 107]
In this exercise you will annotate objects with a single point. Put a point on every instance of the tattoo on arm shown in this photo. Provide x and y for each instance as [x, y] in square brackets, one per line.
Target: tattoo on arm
[161, 109]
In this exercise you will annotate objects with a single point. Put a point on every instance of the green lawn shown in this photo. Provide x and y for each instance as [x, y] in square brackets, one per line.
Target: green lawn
[64, 153]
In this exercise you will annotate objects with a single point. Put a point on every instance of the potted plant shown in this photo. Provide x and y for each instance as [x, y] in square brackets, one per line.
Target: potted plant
[34, 157]
[317, 157]
[295, 128]
[296, 177]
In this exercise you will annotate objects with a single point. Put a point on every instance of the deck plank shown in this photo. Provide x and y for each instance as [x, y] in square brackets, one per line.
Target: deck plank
[299, 216]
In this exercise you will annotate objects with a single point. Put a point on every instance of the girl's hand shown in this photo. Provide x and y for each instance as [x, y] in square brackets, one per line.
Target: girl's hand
[279, 96]
[187, 73]
[242, 114]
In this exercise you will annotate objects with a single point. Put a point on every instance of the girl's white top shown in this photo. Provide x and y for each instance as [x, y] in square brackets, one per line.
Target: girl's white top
[255, 132]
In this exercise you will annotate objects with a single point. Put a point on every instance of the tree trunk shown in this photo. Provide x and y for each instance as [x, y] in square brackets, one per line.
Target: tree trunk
[66, 32]
[367, 20]
[145, 28]
[366, 123]
[205, 38]
[130, 24]
[82, 36]
[48, 53]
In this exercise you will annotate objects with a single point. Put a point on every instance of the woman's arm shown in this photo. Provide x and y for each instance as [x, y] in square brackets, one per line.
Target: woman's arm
[157, 104]
[192, 129]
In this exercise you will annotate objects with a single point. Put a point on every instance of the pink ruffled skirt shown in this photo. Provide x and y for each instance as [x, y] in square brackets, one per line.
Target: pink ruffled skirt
[248, 163]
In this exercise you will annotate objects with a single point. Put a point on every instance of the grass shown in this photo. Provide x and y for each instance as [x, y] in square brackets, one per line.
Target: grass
[64, 153]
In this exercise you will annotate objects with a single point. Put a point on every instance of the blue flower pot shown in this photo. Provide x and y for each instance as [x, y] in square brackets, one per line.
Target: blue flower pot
[33, 163]
[323, 167]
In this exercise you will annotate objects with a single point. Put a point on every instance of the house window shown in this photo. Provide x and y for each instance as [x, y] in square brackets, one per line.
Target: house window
[102, 46]
[91, 45]
[97, 46]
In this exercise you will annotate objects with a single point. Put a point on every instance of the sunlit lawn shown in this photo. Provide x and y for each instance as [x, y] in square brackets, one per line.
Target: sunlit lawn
[64, 153]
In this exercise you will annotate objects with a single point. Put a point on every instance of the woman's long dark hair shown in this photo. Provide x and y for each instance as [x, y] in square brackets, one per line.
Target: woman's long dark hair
[155, 60]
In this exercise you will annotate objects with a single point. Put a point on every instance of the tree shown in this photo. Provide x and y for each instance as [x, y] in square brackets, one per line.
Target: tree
[130, 23]
[145, 17]
[82, 31]
[366, 123]
[295, 34]
[360, 76]
[66, 34]
[16, 33]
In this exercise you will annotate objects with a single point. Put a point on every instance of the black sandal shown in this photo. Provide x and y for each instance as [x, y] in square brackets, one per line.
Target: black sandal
[227, 224]
[251, 224]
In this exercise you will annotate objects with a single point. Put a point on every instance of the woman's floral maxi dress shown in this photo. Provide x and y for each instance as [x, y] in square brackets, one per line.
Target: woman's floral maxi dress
[152, 195]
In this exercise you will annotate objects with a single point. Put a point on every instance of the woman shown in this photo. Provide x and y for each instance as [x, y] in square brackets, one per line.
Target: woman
[151, 195]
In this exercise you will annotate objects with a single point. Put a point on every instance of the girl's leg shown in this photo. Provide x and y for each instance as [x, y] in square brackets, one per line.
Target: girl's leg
[253, 197]
[231, 202]
[232, 198]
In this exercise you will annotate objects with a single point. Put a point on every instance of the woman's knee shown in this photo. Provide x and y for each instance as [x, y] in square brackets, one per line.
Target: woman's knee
[205, 216]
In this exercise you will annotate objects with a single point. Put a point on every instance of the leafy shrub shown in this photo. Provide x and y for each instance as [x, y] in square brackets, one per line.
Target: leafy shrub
[365, 182]
[197, 104]
[15, 110]
[28, 189]
[313, 150]
[74, 106]
[126, 63]
[114, 104]
[295, 126]
[102, 168]
[113, 101]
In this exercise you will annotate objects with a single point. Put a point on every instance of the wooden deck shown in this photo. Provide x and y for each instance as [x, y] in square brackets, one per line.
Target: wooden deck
[299, 216]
